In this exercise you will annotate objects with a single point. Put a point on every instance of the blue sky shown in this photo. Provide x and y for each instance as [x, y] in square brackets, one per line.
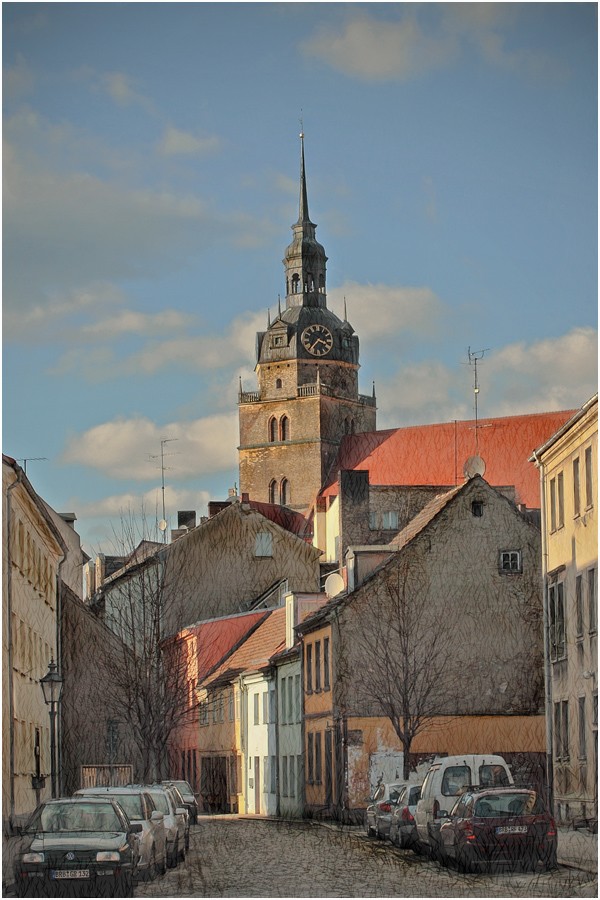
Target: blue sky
[151, 162]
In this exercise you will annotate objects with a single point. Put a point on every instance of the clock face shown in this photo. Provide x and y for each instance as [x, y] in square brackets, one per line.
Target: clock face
[317, 339]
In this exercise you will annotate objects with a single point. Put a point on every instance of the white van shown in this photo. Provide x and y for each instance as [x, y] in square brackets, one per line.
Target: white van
[447, 778]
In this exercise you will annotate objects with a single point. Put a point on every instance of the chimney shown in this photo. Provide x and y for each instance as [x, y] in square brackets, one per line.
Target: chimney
[291, 619]
[100, 571]
[186, 518]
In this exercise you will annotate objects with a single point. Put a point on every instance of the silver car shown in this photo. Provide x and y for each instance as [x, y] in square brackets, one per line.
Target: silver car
[403, 828]
[379, 811]
[140, 808]
[174, 819]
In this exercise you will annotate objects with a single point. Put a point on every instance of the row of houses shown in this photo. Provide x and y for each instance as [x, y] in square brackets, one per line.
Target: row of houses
[415, 611]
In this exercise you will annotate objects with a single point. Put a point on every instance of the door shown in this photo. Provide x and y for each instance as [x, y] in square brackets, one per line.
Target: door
[328, 769]
[257, 785]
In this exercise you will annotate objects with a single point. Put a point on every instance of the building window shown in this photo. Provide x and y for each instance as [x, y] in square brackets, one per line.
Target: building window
[278, 340]
[266, 775]
[203, 710]
[576, 494]
[290, 698]
[477, 508]
[579, 605]
[593, 599]
[582, 725]
[298, 704]
[510, 562]
[556, 611]
[257, 709]
[308, 667]
[284, 492]
[272, 429]
[561, 729]
[263, 544]
[273, 492]
[265, 698]
[284, 429]
[292, 777]
[295, 284]
[284, 776]
[317, 665]
[560, 491]
[233, 781]
[278, 383]
[553, 504]
[318, 757]
[310, 756]
[273, 775]
[231, 705]
[326, 683]
[390, 520]
[589, 479]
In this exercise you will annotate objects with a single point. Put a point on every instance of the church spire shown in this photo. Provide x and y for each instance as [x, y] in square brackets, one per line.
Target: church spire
[305, 260]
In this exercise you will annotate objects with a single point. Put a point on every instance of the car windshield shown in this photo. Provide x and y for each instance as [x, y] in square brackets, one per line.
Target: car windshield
[184, 788]
[509, 804]
[131, 803]
[161, 802]
[57, 817]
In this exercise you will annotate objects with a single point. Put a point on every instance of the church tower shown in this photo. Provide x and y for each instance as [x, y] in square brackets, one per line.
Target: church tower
[307, 368]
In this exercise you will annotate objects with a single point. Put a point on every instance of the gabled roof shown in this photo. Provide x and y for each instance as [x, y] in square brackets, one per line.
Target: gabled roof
[219, 638]
[254, 653]
[436, 454]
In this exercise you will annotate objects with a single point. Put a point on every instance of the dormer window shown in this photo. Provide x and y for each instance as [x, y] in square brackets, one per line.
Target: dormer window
[278, 340]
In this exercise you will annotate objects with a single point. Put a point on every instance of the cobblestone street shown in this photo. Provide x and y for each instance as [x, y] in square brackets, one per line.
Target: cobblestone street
[233, 857]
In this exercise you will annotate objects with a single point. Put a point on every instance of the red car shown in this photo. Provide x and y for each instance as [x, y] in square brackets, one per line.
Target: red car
[499, 826]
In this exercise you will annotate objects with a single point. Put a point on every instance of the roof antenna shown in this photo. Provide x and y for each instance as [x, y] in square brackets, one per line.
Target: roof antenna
[268, 318]
[279, 305]
[474, 357]
[345, 312]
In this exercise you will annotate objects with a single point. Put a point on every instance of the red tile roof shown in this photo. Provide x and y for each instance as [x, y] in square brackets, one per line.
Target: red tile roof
[256, 651]
[436, 454]
[218, 637]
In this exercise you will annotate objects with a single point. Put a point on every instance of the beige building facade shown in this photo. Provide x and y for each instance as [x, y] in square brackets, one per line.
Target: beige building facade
[568, 465]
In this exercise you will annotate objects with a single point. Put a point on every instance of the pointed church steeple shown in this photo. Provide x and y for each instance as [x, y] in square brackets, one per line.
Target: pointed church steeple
[305, 260]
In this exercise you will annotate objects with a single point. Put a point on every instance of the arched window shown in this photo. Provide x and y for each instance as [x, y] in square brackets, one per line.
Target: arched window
[272, 429]
[284, 492]
[273, 492]
[295, 284]
[278, 382]
[321, 283]
[284, 429]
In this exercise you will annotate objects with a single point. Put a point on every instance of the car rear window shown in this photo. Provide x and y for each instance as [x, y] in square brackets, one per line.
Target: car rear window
[395, 791]
[131, 803]
[509, 805]
[161, 802]
[491, 775]
[455, 779]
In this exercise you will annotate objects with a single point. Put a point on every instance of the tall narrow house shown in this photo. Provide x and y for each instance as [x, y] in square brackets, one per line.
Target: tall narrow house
[307, 368]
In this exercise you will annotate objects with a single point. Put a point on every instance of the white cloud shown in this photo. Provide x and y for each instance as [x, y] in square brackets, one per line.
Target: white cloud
[121, 88]
[544, 376]
[175, 142]
[380, 50]
[381, 311]
[17, 79]
[123, 447]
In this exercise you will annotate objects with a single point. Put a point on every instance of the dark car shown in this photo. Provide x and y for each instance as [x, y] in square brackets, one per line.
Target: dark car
[76, 845]
[499, 826]
[188, 798]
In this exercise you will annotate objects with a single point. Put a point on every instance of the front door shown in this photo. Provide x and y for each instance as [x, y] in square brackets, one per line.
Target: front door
[257, 785]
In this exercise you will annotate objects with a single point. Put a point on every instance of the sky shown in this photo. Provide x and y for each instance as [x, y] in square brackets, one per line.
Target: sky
[151, 178]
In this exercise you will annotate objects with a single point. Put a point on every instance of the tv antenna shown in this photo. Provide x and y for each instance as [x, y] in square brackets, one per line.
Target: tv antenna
[474, 357]
[163, 522]
[30, 459]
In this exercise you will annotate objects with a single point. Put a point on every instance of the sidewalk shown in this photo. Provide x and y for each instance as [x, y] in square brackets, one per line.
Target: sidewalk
[578, 848]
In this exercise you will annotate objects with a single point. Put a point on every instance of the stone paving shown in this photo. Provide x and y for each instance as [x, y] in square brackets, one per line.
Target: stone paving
[245, 857]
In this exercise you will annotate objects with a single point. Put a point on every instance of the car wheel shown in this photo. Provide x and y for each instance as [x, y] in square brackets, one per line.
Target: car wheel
[172, 859]
[187, 840]
[368, 829]
[464, 862]
[124, 886]
[549, 860]
[152, 870]
[181, 854]
[162, 869]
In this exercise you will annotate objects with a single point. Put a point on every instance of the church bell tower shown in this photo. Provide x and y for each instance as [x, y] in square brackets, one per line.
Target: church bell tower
[307, 369]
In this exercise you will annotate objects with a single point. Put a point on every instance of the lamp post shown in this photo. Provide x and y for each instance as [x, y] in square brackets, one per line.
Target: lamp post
[52, 684]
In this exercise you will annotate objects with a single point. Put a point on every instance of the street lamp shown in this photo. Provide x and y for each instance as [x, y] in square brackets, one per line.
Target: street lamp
[52, 684]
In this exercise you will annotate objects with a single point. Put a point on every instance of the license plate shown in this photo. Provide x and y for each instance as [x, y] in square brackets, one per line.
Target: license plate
[511, 829]
[71, 873]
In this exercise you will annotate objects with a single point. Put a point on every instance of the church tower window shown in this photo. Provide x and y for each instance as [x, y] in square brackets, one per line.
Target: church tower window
[284, 492]
[284, 429]
[278, 383]
[295, 284]
[273, 492]
[272, 429]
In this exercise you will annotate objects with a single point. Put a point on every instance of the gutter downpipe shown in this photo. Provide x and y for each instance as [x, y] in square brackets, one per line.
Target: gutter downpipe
[546, 625]
[11, 700]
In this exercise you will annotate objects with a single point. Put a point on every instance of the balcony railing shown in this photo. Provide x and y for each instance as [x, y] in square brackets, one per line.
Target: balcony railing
[305, 390]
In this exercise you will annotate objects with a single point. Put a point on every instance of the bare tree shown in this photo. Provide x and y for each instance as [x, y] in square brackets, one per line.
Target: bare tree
[399, 664]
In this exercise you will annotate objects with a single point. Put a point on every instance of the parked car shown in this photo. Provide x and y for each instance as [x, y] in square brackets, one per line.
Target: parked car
[182, 811]
[140, 809]
[77, 843]
[445, 781]
[403, 829]
[379, 811]
[173, 821]
[188, 797]
[499, 826]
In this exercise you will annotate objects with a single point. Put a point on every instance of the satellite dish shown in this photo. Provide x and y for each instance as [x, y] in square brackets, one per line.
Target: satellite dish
[334, 584]
[474, 466]
[162, 525]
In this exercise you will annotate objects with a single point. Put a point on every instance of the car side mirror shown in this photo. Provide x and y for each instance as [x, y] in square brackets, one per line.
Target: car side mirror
[137, 828]
[444, 814]
[181, 811]
[156, 816]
